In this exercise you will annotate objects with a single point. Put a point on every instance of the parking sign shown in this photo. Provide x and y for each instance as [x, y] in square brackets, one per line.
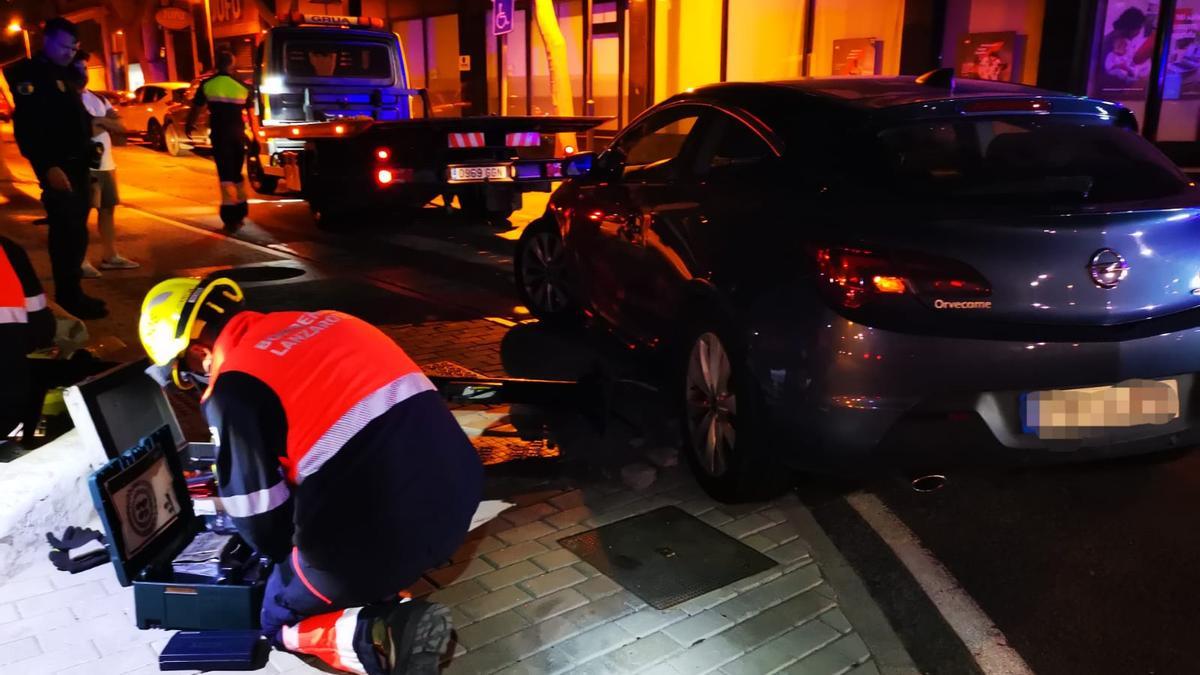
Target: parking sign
[502, 13]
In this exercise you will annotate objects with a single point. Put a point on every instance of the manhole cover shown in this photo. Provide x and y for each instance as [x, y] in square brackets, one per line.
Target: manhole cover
[667, 556]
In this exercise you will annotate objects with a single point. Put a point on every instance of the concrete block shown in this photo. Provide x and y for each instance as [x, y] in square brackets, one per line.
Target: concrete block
[791, 552]
[549, 662]
[759, 543]
[642, 653]
[699, 627]
[67, 597]
[52, 662]
[771, 623]
[525, 533]
[594, 643]
[569, 500]
[552, 605]
[8, 612]
[493, 603]
[491, 629]
[474, 548]
[550, 582]
[650, 620]
[458, 593]
[529, 514]
[770, 594]
[586, 569]
[599, 587]
[34, 626]
[575, 516]
[638, 475]
[785, 650]
[19, 590]
[699, 506]
[550, 541]
[868, 668]
[716, 517]
[756, 580]
[548, 561]
[745, 526]
[507, 576]
[601, 611]
[834, 656]
[710, 599]
[120, 662]
[773, 513]
[781, 533]
[19, 650]
[459, 572]
[707, 656]
[837, 620]
[513, 554]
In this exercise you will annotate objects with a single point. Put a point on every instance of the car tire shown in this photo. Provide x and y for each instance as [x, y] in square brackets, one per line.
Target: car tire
[723, 418]
[172, 141]
[154, 135]
[540, 268]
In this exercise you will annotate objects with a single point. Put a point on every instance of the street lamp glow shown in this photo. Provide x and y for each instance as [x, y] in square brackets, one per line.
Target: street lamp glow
[15, 27]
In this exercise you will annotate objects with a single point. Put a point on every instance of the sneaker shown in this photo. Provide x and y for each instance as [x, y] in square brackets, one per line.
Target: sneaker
[84, 307]
[118, 262]
[411, 637]
[90, 272]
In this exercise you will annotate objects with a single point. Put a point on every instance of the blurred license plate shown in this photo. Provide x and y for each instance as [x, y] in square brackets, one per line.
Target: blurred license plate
[466, 174]
[1075, 413]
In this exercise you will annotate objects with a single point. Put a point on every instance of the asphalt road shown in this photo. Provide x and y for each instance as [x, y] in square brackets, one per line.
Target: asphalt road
[1086, 569]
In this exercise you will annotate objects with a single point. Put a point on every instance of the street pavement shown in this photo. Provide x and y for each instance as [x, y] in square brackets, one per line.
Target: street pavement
[521, 603]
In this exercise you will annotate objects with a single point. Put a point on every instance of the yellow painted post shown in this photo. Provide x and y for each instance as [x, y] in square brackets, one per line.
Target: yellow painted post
[561, 95]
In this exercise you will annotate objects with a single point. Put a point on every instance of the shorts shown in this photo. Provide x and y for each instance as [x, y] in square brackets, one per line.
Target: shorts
[104, 190]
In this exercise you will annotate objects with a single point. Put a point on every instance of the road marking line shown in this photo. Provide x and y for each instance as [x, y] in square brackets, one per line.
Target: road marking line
[983, 639]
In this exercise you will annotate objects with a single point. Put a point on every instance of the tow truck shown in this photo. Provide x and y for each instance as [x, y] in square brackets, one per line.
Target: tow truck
[332, 119]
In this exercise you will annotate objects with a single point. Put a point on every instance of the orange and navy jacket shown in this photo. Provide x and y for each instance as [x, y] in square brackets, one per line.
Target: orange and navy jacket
[333, 441]
[25, 323]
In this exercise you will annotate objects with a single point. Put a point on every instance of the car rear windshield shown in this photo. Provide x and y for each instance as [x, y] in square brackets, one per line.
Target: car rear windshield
[327, 59]
[1060, 159]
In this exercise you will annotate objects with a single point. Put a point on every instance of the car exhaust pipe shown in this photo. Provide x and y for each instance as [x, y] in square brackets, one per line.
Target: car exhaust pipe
[927, 483]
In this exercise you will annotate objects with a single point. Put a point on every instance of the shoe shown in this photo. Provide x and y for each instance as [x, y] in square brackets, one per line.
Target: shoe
[85, 307]
[410, 637]
[90, 272]
[118, 262]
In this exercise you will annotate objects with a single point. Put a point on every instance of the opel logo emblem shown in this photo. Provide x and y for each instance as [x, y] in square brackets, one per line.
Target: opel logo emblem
[1108, 268]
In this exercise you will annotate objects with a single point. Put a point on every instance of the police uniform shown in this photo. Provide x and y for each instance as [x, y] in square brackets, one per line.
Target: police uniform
[339, 459]
[226, 99]
[53, 129]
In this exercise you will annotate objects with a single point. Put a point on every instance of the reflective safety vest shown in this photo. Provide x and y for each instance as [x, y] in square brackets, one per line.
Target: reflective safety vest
[333, 374]
[13, 305]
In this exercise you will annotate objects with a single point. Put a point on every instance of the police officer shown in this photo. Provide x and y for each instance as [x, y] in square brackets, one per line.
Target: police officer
[337, 458]
[226, 98]
[54, 132]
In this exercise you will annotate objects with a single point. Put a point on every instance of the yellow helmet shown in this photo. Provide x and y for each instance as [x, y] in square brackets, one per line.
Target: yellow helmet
[168, 320]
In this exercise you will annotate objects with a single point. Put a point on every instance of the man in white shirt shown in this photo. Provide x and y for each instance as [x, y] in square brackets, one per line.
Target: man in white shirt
[104, 179]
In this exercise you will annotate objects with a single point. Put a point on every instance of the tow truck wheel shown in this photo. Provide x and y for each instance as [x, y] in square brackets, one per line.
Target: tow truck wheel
[261, 182]
[541, 272]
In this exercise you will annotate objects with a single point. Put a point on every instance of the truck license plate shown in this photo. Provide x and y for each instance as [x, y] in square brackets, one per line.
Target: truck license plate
[1077, 413]
[467, 174]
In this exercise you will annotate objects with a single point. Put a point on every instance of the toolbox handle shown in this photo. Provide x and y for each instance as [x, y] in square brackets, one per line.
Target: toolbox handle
[180, 590]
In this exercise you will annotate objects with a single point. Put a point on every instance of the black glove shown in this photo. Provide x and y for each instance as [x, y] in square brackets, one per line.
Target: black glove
[74, 537]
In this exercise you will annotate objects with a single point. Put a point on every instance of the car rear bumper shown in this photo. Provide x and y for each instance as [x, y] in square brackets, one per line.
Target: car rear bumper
[852, 397]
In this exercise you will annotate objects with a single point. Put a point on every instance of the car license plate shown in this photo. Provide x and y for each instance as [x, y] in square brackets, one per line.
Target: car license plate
[1079, 413]
[470, 174]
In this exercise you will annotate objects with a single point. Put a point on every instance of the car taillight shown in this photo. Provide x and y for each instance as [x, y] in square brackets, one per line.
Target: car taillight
[851, 277]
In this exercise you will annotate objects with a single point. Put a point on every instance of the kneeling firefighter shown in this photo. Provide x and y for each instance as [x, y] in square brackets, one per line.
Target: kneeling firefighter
[337, 458]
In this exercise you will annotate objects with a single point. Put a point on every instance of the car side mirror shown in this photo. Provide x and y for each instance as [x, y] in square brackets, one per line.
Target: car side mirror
[579, 164]
[610, 163]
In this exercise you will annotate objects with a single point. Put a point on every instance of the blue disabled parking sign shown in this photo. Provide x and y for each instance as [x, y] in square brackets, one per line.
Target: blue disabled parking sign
[502, 17]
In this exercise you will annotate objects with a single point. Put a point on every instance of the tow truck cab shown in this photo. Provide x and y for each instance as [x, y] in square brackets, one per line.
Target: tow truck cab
[314, 68]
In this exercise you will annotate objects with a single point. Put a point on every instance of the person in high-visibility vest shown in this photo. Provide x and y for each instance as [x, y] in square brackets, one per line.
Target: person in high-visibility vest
[25, 325]
[337, 458]
[226, 99]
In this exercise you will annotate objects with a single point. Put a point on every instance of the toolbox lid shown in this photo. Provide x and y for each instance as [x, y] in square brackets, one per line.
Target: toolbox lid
[143, 502]
[113, 410]
[214, 650]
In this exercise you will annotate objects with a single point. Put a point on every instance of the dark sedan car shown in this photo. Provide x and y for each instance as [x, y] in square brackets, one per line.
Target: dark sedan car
[850, 272]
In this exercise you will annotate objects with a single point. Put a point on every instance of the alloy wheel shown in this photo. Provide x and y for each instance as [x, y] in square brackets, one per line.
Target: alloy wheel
[711, 405]
[543, 271]
[172, 141]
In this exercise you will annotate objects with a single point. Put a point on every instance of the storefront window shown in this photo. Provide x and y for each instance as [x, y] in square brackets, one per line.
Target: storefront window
[444, 81]
[516, 67]
[766, 40]
[1181, 87]
[687, 45]
[870, 29]
[570, 21]
[413, 42]
[995, 39]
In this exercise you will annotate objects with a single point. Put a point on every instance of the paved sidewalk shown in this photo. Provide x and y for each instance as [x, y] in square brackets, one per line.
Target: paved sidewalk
[521, 603]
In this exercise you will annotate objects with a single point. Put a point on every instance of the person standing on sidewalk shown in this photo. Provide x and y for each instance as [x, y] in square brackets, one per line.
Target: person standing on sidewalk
[337, 458]
[226, 99]
[104, 179]
[54, 132]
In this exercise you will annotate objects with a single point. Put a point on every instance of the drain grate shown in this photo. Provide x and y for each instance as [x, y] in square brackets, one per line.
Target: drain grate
[667, 556]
